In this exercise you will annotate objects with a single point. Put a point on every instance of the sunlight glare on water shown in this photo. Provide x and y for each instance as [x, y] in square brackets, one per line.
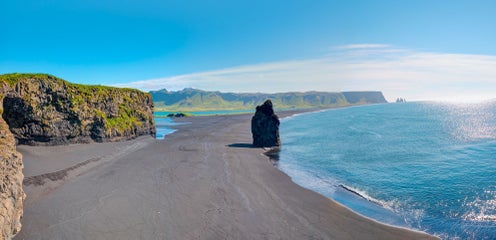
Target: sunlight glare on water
[470, 121]
[430, 165]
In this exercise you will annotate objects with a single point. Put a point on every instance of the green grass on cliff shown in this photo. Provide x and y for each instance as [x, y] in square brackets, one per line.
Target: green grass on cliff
[13, 78]
[123, 123]
[127, 120]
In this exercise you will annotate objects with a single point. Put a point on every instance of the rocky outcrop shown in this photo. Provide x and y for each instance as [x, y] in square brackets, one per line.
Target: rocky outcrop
[41, 109]
[11, 193]
[265, 126]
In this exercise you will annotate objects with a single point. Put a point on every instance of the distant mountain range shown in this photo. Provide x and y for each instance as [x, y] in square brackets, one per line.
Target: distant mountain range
[190, 99]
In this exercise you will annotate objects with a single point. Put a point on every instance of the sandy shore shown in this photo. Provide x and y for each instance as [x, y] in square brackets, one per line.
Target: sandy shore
[201, 182]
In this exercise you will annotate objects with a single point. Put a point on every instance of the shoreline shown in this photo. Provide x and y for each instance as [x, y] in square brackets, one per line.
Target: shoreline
[200, 182]
[273, 159]
[349, 197]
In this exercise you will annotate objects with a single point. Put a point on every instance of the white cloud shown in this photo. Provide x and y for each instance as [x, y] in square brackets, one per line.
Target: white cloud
[363, 46]
[396, 72]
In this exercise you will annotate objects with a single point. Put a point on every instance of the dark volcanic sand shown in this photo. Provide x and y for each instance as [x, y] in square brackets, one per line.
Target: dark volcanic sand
[201, 182]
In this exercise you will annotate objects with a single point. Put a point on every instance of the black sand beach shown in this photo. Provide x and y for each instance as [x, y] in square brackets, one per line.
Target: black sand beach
[201, 182]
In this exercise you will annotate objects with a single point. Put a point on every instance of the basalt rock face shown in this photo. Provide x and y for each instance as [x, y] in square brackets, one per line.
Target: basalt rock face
[11, 193]
[265, 126]
[41, 109]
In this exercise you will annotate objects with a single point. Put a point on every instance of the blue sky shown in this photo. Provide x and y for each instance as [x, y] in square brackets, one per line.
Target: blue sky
[412, 49]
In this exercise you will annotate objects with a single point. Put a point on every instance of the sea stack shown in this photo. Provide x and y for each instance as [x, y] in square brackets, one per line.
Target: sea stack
[265, 126]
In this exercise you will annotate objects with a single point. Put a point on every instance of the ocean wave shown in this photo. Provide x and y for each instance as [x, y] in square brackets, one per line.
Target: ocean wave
[308, 179]
[290, 117]
[303, 113]
[367, 197]
[411, 215]
[362, 131]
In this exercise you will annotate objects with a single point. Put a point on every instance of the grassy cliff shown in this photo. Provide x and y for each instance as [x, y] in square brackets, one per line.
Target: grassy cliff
[44, 109]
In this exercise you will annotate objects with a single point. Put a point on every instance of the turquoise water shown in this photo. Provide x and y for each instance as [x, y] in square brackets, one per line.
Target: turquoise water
[207, 113]
[427, 166]
[164, 126]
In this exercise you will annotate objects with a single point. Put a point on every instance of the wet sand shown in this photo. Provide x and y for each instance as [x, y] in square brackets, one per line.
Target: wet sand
[201, 182]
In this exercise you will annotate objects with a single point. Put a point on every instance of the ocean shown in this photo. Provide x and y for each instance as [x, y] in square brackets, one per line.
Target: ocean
[427, 166]
[164, 126]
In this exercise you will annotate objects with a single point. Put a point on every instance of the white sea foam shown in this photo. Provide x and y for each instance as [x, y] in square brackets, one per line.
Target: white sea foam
[367, 197]
[482, 210]
[412, 216]
[308, 179]
[304, 113]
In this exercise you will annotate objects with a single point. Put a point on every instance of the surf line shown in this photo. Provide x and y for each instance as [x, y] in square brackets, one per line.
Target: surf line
[362, 195]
